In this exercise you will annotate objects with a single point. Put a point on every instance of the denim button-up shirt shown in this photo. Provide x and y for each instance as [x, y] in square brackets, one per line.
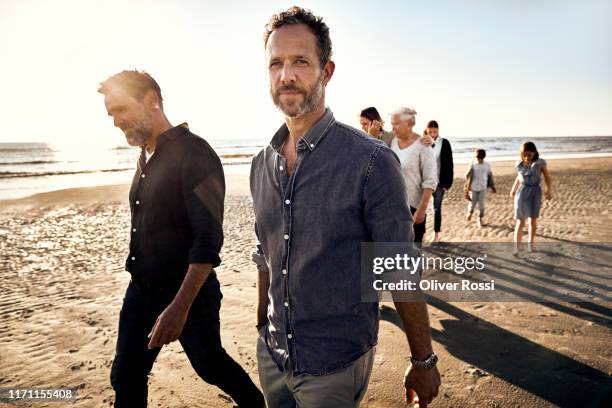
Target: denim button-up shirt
[346, 188]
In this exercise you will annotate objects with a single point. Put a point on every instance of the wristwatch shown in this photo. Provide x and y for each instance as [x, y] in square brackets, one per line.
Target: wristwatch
[429, 362]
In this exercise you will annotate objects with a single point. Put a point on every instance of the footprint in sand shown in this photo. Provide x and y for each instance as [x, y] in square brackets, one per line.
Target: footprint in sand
[77, 366]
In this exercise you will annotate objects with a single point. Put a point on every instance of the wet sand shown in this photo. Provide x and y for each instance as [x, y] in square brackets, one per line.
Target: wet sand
[63, 281]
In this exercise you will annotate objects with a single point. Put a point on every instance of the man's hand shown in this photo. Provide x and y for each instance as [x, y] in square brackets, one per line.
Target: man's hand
[419, 216]
[426, 140]
[421, 385]
[168, 326]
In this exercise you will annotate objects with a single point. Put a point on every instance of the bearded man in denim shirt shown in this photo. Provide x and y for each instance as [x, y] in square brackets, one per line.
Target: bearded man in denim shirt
[320, 189]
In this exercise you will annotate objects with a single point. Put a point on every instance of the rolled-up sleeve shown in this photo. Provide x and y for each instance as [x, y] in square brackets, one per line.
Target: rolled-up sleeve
[429, 169]
[203, 186]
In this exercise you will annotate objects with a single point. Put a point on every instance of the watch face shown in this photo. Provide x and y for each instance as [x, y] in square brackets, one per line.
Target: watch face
[429, 362]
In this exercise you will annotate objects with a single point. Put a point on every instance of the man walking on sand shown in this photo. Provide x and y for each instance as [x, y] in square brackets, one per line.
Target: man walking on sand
[320, 189]
[443, 153]
[176, 203]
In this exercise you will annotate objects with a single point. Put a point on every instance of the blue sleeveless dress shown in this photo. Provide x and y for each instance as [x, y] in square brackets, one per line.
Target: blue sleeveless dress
[528, 198]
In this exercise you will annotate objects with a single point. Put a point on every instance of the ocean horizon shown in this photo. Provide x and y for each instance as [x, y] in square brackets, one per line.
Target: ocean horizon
[30, 168]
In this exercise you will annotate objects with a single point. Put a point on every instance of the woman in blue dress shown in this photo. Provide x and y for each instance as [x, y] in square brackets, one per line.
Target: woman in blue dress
[527, 193]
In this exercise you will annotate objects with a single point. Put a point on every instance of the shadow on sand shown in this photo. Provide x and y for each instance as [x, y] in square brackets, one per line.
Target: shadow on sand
[545, 373]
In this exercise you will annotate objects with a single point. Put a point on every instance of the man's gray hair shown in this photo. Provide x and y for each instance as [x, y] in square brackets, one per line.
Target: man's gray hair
[404, 113]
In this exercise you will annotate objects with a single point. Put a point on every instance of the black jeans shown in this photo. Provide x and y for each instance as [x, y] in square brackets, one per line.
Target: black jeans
[200, 339]
[438, 196]
[419, 229]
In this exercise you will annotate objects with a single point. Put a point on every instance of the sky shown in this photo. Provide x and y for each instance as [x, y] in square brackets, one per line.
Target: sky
[480, 68]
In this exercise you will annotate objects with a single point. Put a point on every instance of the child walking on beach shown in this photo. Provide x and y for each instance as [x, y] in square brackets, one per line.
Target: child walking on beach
[527, 193]
[479, 178]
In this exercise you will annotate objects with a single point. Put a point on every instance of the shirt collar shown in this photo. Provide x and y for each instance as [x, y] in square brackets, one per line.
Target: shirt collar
[171, 134]
[310, 139]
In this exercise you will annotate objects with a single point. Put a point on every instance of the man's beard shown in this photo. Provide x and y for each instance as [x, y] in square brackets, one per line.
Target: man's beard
[139, 132]
[311, 99]
[138, 136]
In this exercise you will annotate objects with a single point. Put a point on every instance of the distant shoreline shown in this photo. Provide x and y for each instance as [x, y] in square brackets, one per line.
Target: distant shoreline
[31, 168]
[238, 183]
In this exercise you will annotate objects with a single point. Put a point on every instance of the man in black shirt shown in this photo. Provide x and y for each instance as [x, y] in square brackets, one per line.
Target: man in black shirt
[444, 159]
[176, 203]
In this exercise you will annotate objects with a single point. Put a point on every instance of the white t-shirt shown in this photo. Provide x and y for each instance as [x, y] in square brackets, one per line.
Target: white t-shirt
[418, 168]
[437, 149]
[148, 155]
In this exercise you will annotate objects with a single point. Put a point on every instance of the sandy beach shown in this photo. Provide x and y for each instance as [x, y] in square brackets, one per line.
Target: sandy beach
[63, 281]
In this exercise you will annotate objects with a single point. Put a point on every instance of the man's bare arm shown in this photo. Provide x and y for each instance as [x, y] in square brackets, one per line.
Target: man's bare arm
[420, 382]
[263, 285]
[169, 324]
[416, 323]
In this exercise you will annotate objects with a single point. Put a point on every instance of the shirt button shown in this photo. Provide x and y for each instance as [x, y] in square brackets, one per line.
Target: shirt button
[137, 202]
[280, 168]
[287, 202]
[290, 336]
[286, 236]
[133, 258]
[286, 304]
[284, 271]
[143, 175]
[312, 145]
[133, 229]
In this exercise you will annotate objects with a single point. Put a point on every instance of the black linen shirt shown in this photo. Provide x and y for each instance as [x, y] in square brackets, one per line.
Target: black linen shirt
[176, 203]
